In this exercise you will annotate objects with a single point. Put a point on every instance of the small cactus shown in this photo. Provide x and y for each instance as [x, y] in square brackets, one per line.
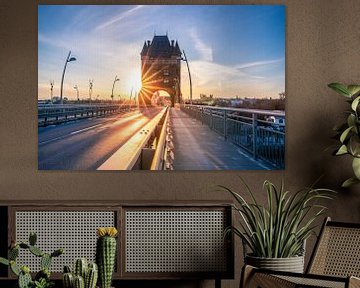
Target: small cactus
[91, 276]
[89, 272]
[79, 282]
[68, 280]
[80, 268]
[106, 254]
[67, 269]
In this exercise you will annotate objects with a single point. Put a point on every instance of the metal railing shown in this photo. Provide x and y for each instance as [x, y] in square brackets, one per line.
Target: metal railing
[56, 114]
[259, 132]
[145, 150]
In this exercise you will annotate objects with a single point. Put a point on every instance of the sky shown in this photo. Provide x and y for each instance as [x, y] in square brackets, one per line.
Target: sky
[233, 50]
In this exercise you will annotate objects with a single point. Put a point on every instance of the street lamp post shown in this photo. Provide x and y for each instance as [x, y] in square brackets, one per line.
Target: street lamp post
[91, 82]
[77, 92]
[51, 90]
[68, 59]
[187, 64]
[112, 91]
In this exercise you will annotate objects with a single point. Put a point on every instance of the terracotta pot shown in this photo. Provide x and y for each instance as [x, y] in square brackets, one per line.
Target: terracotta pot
[291, 264]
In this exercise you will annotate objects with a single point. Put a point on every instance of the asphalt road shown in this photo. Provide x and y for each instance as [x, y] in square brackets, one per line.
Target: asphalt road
[86, 144]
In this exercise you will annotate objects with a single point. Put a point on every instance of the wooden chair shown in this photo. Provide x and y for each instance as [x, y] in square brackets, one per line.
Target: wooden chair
[334, 263]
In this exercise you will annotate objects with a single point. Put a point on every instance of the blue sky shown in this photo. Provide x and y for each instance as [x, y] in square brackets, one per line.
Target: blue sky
[233, 50]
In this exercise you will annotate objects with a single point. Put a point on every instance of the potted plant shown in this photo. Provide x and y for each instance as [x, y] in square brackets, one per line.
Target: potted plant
[276, 233]
[84, 274]
[349, 132]
[42, 278]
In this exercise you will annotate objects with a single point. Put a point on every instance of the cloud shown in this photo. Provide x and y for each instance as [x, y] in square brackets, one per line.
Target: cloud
[205, 52]
[258, 63]
[119, 17]
[228, 81]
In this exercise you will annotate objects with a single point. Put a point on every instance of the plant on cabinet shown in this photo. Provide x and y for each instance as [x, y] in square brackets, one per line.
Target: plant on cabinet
[42, 278]
[275, 233]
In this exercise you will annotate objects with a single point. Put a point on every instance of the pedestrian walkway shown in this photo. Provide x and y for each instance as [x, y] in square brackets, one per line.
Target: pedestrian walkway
[197, 147]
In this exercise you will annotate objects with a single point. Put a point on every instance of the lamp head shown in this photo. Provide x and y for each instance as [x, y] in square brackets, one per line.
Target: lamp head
[72, 59]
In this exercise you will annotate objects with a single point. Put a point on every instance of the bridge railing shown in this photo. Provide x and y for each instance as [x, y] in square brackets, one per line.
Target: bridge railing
[145, 150]
[259, 132]
[55, 114]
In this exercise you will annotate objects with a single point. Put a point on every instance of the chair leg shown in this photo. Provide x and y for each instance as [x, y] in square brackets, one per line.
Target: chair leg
[217, 283]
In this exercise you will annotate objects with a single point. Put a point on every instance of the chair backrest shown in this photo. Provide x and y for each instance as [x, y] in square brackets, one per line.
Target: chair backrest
[337, 251]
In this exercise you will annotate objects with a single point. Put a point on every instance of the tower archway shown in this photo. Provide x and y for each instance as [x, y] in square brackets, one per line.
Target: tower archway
[160, 69]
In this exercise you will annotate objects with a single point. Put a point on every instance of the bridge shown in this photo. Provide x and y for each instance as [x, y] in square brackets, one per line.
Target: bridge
[114, 136]
[186, 137]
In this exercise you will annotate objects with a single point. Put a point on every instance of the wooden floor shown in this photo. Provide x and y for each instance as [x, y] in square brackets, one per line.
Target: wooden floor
[197, 147]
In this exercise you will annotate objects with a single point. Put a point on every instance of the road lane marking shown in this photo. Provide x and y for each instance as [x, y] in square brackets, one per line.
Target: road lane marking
[85, 129]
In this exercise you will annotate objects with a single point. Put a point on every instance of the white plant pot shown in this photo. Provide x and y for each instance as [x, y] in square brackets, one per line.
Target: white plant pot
[291, 264]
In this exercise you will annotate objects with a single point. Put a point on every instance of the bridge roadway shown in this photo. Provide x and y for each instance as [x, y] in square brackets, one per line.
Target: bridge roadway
[197, 147]
[86, 144]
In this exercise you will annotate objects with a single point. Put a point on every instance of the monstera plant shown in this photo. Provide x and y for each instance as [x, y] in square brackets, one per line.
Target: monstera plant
[349, 131]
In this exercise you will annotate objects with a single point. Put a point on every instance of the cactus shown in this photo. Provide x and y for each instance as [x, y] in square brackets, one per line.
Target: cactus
[24, 280]
[45, 261]
[67, 269]
[32, 238]
[13, 253]
[43, 274]
[4, 261]
[91, 276]
[105, 254]
[68, 280]
[80, 268]
[14, 268]
[36, 251]
[42, 278]
[79, 282]
[89, 272]
[57, 252]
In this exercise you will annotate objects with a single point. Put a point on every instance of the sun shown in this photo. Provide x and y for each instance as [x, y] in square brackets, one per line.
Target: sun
[133, 81]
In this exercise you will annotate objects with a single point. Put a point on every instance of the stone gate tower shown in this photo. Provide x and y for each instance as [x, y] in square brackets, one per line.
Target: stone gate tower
[160, 69]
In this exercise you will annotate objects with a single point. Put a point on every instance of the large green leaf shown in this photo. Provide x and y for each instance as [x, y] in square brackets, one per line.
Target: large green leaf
[354, 145]
[353, 89]
[349, 182]
[355, 103]
[342, 150]
[345, 134]
[340, 88]
[356, 167]
[351, 120]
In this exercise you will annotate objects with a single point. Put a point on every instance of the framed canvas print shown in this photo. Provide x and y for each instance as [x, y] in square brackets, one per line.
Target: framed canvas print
[161, 87]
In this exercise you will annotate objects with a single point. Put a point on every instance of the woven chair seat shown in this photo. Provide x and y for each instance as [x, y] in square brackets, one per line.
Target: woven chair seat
[335, 262]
